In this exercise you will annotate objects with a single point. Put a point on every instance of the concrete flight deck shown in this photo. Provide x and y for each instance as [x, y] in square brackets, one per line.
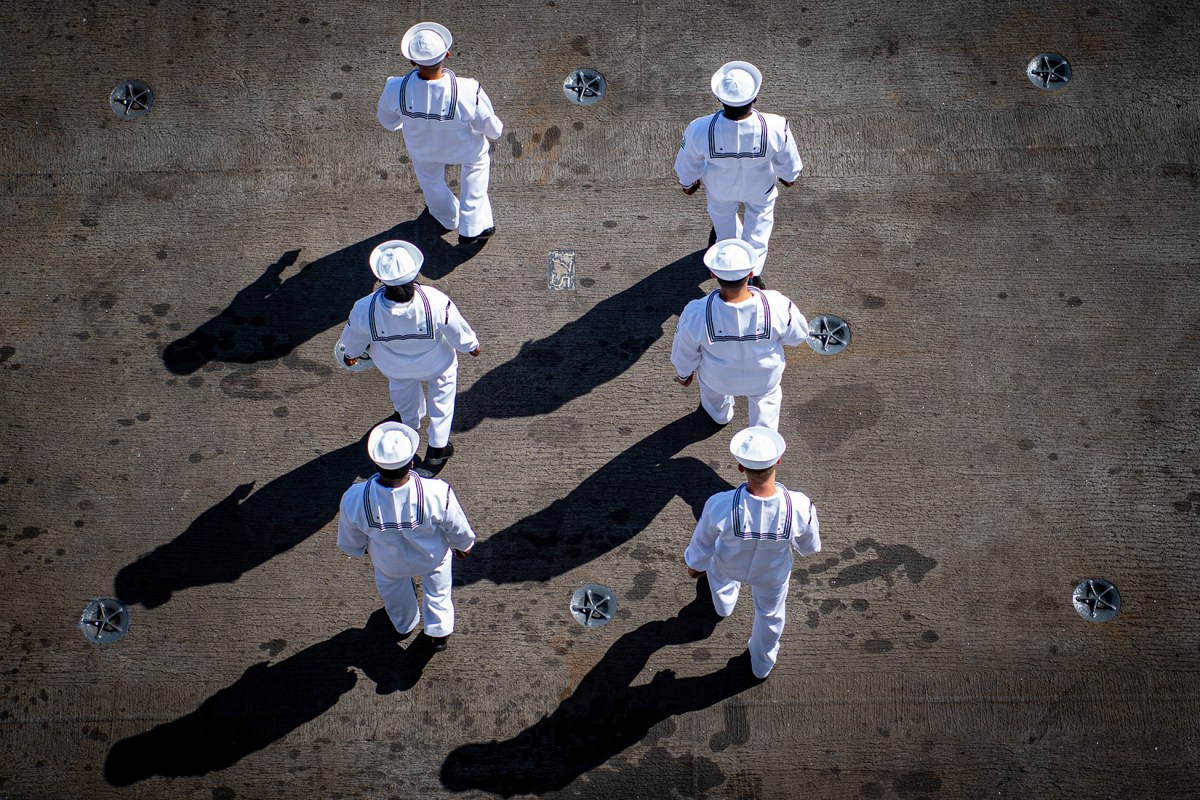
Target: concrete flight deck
[1018, 411]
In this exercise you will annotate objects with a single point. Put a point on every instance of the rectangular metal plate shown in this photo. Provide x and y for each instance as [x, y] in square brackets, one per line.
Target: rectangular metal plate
[561, 270]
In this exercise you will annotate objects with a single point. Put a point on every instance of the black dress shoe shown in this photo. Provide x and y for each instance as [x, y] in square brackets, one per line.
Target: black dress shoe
[757, 282]
[436, 457]
[485, 234]
[439, 643]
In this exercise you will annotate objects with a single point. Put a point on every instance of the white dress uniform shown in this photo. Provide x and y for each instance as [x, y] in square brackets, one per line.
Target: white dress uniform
[410, 531]
[446, 121]
[413, 343]
[740, 539]
[736, 350]
[739, 161]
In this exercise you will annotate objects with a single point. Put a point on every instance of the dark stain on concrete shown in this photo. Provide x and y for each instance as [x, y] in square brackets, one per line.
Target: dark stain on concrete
[930, 637]
[1074, 302]
[887, 562]
[643, 583]
[827, 607]
[870, 301]
[281, 411]
[1025, 444]
[515, 143]
[273, 647]
[737, 728]
[7, 352]
[553, 137]
[911, 784]
[814, 619]
[860, 605]
[608, 223]
[579, 45]
[834, 415]
[29, 532]
[195, 458]
[877, 646]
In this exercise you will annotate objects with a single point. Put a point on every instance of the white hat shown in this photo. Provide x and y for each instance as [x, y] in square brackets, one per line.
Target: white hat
[731, 259]
[757, 448]
[396, 263]
[736, 83]
[392, 445]
[426, 43]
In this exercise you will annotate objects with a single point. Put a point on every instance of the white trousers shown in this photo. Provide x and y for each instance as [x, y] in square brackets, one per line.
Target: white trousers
[409, 400]
[472, 213]
[764, 408]
[400, 600]
[760, 221]
[770, 614]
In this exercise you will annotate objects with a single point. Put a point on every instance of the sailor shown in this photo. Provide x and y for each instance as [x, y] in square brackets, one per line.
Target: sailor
[733, 339]
[413, 527]
[415, 334]
[738, 153]
[446, 120]
[748, 535]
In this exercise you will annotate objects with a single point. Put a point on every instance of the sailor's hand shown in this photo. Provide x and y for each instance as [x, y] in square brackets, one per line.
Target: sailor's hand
[787, 183]
[350, 362]
[475, 352]
[690, 190]
[693, 574]
[685, 382]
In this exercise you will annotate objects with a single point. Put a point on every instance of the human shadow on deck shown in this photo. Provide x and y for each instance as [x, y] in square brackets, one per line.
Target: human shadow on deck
[605, 714]
[610, 507]
[271, 317]
[268, 702]
[246, 530]
[586, 353]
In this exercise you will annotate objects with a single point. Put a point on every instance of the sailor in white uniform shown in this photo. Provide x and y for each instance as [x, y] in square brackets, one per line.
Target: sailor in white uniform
[738, 153]
[413, 527]
[748, 535]
[733, 339]
[445, 120]
[415, 334]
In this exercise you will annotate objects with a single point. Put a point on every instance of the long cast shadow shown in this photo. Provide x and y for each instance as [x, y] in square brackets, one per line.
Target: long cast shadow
[605, 714]
[268, 702]
[584, 354]
[246, 530]
[271, 317]
[610, 507]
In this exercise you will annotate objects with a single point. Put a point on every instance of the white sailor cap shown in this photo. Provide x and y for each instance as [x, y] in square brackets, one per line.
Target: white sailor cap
[736, 83]
[731, 259]
[426, 43]
[392, 445]
[396, 262]
[757, 448]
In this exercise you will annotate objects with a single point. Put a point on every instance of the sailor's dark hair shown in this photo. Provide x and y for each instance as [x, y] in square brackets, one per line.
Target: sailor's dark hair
[402, 293]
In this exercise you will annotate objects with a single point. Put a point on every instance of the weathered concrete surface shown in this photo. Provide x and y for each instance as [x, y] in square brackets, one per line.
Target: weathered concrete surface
[1018, 411]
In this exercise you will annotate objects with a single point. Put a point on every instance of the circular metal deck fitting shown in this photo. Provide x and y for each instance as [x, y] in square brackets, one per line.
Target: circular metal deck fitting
[105, 620]
[594, 605]
[828, 335]
[1048, 71]
[131, 99]
[1096, 600]
[584, 87]
[364, 361]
